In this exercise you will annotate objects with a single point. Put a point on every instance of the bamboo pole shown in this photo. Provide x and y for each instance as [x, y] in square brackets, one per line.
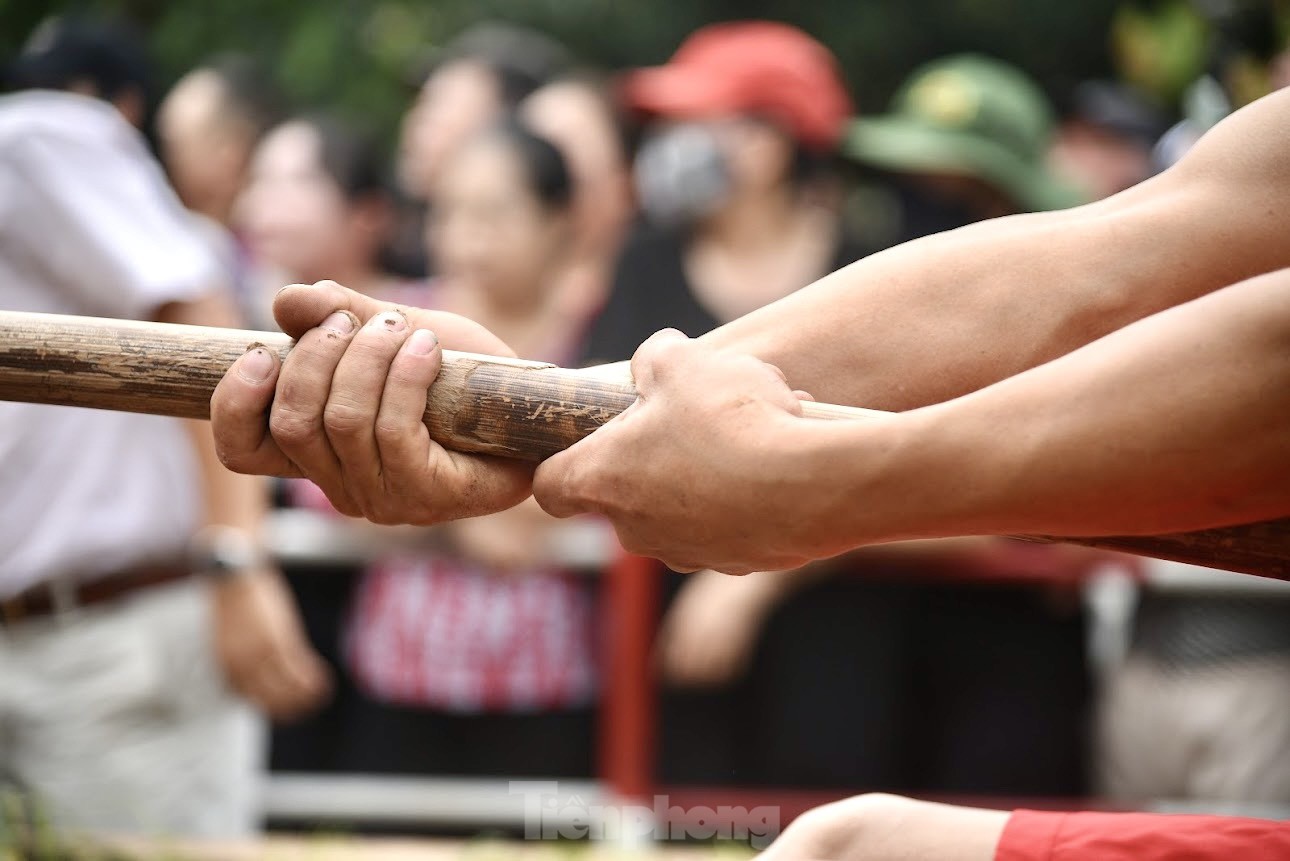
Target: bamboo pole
[508, 407]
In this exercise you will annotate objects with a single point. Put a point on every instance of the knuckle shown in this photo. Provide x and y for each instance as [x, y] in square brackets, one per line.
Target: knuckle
[388, 433]
[292, 428]
[659, 350]
[752, 365]
[772, 373]
[407, 373]
[669, 350]
[344, 418]
[316, 349]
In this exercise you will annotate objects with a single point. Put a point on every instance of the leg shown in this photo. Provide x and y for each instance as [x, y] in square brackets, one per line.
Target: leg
[1243, 713]
[1216, 732]
[1145, 735]
[122, 720]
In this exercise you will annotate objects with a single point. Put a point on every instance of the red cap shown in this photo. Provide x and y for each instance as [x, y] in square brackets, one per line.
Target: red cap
[749, 67]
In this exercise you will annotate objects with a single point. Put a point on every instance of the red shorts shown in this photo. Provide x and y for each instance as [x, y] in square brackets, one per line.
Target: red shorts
[1032, 836]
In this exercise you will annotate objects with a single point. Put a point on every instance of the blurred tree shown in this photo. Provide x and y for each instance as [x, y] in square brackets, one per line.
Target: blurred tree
[361, 56]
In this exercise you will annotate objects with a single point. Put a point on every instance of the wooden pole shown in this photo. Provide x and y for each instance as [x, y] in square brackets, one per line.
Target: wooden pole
[484, 404]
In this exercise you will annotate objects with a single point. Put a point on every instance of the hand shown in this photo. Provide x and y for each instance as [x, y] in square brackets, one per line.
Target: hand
[879, 827]
[261, 646]
[704, 470]
[345, 410]
[710, 632]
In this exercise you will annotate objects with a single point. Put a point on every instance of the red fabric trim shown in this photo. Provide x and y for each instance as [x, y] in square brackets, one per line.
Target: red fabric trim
[1029, 836]
[1035, 836]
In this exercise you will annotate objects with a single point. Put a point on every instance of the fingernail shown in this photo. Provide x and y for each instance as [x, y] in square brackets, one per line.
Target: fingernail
[340, 322]
[255, 366]
[421, 343]
[391, 321]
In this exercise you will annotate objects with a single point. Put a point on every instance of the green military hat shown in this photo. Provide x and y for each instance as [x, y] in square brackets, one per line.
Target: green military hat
[972, 116]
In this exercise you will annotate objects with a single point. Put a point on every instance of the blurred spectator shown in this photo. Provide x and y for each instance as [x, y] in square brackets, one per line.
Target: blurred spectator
[119, 662]
[316, 207]
[473, 82]
[736, 173]
[965, 140]
[1104, 144]
[746, 118]
[207, 127]
[477, 652]
[579, 116]
[942, 668]
[477, 78]
[102, 58]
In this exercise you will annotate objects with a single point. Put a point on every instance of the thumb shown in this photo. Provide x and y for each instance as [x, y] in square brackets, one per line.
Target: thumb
[300, 307]
[651, 362]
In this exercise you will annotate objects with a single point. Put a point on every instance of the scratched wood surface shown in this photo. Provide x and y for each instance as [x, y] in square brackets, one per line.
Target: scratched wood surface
[507, 407]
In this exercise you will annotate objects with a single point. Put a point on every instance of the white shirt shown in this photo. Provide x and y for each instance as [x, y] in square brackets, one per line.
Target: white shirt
[89, 225]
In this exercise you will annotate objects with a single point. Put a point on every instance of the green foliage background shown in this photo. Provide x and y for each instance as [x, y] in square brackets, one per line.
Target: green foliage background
[356, 55]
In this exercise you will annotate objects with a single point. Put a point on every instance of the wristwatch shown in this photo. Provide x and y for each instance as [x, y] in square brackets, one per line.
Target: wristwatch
[226, 551]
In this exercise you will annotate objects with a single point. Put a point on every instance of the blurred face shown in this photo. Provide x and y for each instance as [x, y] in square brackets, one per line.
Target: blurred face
[574, 118]
[759, 154]
[205, 153]
[294, 215]
[456, 101]
[487, 228]
[692, 170]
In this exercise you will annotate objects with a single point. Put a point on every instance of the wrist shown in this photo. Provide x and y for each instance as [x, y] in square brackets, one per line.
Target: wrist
[869, 485]
[226, 552]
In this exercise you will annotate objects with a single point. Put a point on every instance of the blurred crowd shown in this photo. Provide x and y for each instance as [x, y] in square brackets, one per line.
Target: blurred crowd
[147, 630]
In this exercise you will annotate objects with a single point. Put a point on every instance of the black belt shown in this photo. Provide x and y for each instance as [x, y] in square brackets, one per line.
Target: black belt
[44, 599]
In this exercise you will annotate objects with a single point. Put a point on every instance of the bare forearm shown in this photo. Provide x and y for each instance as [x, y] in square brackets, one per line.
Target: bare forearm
[945, 315]
[230, 499]
[940, 317]
[1179, 422]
